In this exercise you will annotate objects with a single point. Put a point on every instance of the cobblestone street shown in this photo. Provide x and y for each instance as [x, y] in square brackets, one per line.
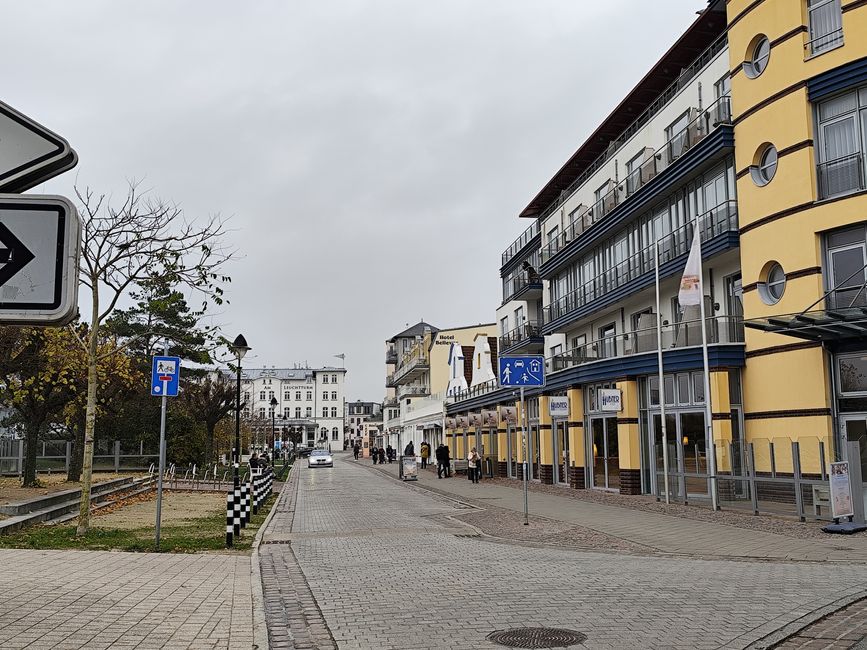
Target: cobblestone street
[409, 576]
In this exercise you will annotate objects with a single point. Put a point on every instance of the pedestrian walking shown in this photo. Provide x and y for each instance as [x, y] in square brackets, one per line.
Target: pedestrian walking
[374, 454]
[473, 461]
[389, 453]
[447, 461]
[425, 453]
[381, 456]
[409, 450]
[355, 450]
[440, 462]
[254, 461]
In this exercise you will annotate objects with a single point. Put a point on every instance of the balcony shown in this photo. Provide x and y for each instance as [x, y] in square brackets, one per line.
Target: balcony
[391, 356]
[522, 336]
[516, 246]
[702, 124]
[389, 402]
[717, 221]
[841, 176]
[412, 366]
[721, 330]
[412, 390]
[476, 391]
[527, 286]
[389, 381]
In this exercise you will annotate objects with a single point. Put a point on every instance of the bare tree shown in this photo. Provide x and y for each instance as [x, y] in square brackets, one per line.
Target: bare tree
[124, 246]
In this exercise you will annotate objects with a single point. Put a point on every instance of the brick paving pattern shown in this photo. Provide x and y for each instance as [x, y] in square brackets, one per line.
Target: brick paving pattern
[95, 599]
[389, 568]
[842, 630]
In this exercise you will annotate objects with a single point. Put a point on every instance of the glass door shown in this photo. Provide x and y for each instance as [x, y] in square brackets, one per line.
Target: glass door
[675, 457]
[855, 430]
[534, 441]
[512, 452]
[606, 461]
[561, 453]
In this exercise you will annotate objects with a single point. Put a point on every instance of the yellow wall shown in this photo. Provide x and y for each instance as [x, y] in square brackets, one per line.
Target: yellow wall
[576, 433]
[783, 390]
[628, 441]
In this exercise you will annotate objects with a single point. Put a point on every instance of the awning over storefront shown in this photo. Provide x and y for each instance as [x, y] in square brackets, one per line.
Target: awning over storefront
[432, 425]
[823, 325]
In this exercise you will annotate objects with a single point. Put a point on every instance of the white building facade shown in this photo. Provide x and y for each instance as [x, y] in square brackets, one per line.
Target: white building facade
[311, 400]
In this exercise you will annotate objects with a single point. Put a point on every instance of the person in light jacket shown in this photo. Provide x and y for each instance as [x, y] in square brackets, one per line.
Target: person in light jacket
[473, 462]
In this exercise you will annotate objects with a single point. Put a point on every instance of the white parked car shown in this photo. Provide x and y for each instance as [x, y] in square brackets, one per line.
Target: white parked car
[320, 458]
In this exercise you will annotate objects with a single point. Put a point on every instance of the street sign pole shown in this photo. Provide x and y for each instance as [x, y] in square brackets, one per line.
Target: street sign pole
[162, 452]
[524, 427]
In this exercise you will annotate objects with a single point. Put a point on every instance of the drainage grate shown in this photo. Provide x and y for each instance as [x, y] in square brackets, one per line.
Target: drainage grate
[537, 637]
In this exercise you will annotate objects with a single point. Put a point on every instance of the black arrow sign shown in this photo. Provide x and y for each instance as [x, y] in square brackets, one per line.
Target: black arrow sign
[13, 255]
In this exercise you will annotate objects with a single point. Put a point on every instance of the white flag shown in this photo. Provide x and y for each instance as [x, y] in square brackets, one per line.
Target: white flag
[689, 293]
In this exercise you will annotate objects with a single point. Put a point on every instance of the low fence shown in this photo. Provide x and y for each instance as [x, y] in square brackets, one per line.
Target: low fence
[765, 476]
[56, 455]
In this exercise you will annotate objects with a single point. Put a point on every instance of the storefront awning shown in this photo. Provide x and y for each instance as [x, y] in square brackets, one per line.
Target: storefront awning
[432, 425]
[823, 325]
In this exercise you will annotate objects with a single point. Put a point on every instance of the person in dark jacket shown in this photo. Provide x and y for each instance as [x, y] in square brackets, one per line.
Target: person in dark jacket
[389, 453]
[409, 450]
[254, 461]
[381, 455]
[374, 454]
[356, 449]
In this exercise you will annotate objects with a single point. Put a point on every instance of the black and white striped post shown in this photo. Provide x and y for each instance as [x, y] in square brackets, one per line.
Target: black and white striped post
[245, 504]
[239, 348]
[230, 516]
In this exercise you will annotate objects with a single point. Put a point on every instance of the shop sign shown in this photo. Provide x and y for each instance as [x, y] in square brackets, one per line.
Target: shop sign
[841, 491]
[489, 418]
[462, 422]
[476, 419]
[509, 414]
[610, 400]
[450, 423]
[559, 407]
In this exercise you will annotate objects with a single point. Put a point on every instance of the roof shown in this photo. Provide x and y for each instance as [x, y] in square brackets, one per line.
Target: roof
[821, 325]
[416, 330]
[702, 33]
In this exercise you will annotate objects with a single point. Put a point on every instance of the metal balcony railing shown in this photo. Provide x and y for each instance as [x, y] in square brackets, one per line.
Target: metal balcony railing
[702, 124]
[410, 390]
[841, 176]
[720, 330]
[416, 358]
[391, 356]
[389, 402]
[686, 75]
[722, 218]
[475, 391]
[521, 333]
[520, 242]
[516, 284]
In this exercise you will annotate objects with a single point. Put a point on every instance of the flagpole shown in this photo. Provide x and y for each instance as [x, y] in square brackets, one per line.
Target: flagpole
[711, 448]
[661, 378]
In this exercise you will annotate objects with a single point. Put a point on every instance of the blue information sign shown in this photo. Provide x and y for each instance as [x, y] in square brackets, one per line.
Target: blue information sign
[165, 373]
[524, 370]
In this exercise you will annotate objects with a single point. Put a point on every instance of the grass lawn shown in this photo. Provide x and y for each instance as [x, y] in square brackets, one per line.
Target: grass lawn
[117, 531]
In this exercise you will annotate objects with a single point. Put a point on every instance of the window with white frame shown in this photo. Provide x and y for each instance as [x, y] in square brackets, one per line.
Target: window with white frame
[334, 411]
[324, 394]
[841, 125]
[309, 395]
[334, 433]
[825, 18]
[285, 411]
[504, 325]
[333, 379]
[334, 394]
[271, 412]
[297, 412]
[261, 394]
[845, 274]
[287, 395]
[325, 411]
[270, 394]
[297, 395]
[309, 412]
[261, 411]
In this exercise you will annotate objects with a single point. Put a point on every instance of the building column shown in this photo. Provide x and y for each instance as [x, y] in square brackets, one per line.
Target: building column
[519, 441]
[546, 441]
[628, 438]
[721, 414]
[502, 450]
[577, 448]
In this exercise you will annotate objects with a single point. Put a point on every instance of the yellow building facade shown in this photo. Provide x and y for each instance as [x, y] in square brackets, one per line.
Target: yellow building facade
[752, 130]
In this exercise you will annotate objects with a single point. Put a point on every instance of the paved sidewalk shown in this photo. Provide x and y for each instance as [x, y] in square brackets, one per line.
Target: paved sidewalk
[96, 599]
[664, 533]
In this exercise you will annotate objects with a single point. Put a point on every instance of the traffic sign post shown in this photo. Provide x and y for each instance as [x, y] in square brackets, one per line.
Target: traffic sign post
[522, 371]
[165, 376]
[40, 244]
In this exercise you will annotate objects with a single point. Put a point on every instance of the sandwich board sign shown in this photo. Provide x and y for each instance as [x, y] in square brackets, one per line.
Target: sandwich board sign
[165, 376]
[40, 242]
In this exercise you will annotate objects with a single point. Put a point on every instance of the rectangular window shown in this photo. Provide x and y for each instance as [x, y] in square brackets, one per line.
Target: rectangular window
[334, 411]
[334, 394]
[852, 371]
[261, 411]
[845, 275]
[261, 394]
[333, 379]
[519, 317]
[286, 396]
[270, 395]
[723, 87]
[579, 341]
[504, 325]
[308, 412]
[297, 396]
[324, 395]
[607, 344]
[297, 412]
[325, 411]
[324, 379]
[825, 18]
[556, 350]
[309, 395]
[840, 151]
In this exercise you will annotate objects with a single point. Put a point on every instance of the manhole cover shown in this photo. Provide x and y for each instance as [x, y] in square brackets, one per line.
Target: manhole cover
[537, 637]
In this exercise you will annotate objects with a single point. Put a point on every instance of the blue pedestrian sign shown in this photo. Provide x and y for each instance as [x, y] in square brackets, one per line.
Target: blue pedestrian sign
[165, 373]
[524, 370]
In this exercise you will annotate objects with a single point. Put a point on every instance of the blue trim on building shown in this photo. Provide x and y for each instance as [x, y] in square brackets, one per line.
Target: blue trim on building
[729, 355]
[836, 80]
[721, 243]
[710, 150]
[533, 245]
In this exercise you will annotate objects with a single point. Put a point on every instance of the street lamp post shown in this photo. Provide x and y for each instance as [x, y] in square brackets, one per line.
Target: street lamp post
[274, 404]
[239, 348]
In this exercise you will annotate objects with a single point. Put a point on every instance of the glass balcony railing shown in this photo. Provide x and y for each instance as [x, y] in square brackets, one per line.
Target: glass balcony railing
[520, 242]
[412, 390]
[520, 282]
[723, 218]
[720, 330]
[523, 332]
[841, 176]
[415, 359]
[702, 124]
[686, 75]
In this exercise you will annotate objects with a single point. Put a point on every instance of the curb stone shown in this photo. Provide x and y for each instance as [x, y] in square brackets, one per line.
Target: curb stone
[260, 626]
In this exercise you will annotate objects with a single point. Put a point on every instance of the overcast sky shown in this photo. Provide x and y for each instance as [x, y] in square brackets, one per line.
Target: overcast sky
[373, 155]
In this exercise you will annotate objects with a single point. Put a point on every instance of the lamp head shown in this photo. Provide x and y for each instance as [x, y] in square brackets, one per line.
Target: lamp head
[239, 346]
[274, 401]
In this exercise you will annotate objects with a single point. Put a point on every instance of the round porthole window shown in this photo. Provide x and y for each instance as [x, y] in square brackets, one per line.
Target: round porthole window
[757, 56]
[773, 285]
[765, 165]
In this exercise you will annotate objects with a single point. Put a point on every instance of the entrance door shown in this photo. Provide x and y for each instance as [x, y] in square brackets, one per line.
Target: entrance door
[561, 453]
[855, 430]
[535, 440]
[606, 461]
